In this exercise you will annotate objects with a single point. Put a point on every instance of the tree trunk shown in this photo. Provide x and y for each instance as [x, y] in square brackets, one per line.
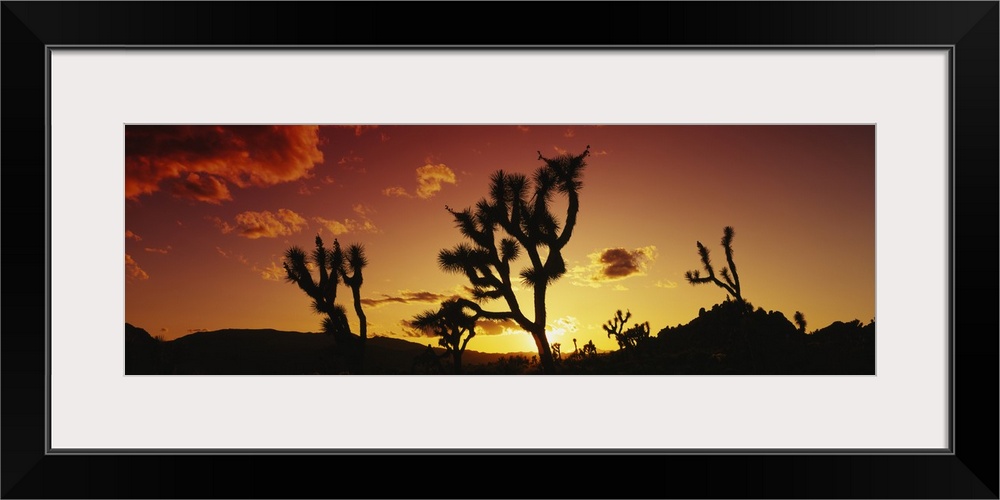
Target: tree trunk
[362, 327]
[456, 357]
[544, 352]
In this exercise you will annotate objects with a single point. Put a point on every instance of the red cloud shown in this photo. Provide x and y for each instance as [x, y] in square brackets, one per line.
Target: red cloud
[202, 160]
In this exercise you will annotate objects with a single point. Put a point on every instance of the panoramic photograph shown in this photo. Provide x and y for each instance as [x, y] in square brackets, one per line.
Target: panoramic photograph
[536, 249]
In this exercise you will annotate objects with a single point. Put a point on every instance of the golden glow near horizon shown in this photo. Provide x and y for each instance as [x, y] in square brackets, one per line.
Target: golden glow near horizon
[209, 212]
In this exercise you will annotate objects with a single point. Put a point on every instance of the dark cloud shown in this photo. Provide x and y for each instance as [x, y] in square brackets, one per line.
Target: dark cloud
[205, 188]
[612, 264]
[620, 263]
[201, 161]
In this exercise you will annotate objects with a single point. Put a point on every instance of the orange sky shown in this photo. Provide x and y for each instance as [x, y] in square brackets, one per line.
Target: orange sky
[210, 210]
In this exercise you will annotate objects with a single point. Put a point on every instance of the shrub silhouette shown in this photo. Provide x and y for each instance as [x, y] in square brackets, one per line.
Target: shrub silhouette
[731, 278]
[517, 217]
[627, 339]
[800, 321]
[451, 323]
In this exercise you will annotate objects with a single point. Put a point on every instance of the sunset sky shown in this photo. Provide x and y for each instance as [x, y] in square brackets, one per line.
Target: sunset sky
[210, 211]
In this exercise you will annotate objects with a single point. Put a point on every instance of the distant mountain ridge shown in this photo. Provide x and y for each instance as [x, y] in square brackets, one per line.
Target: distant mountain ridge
[268, 351]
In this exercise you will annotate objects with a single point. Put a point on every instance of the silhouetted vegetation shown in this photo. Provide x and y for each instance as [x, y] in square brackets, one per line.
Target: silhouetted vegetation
[729, 274]
[330, 265]
[800, 321]
[453, 324]
[517, 217]
[627, 339]
[712, 343]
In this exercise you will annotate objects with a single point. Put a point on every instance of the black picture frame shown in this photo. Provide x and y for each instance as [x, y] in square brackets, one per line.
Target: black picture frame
[969, 28]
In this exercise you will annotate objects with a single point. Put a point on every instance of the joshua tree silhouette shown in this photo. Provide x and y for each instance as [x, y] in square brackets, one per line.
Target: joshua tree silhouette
[732, 279]
[626, 338]
[323, 292]
[520, 209]
[450, 322]
[330, 266]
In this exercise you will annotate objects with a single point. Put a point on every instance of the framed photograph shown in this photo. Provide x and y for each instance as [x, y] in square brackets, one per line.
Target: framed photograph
[244, 175]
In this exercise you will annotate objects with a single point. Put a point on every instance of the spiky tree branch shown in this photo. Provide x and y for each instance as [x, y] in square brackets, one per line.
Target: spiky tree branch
[626, 338]
[324, 291]
[730, 279]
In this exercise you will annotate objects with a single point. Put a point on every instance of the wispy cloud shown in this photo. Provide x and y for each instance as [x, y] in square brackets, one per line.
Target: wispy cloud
[129, 235]
[569, 133]
[361, 225]
[159, 250]
[233, 255]
[407, 297]
[201, 162]
[665, 284]
[524, 128]
[352, 161]
[396, 192]
[133, 271]
[271, 272]
[359, 130]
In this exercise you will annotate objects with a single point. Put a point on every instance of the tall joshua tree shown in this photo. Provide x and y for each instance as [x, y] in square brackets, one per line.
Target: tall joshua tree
[328, 263]
[730, 279]
[453, 324]
[517, 216]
